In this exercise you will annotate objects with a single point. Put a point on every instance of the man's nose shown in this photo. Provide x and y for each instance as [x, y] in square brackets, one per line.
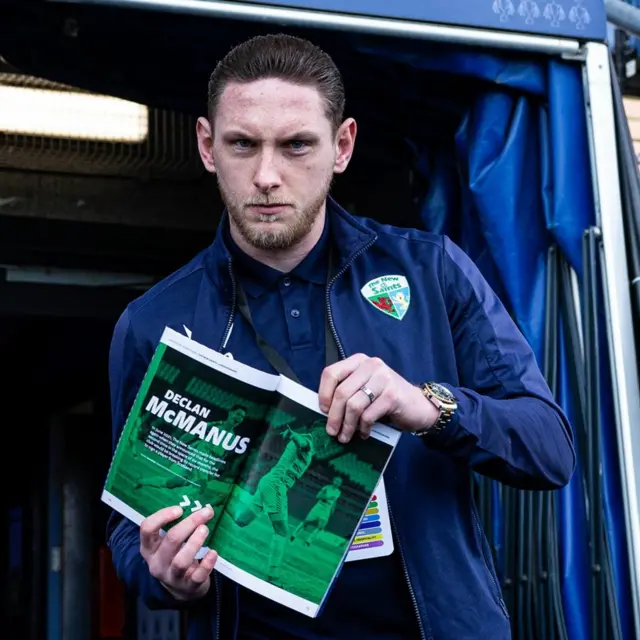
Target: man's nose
[267, 176]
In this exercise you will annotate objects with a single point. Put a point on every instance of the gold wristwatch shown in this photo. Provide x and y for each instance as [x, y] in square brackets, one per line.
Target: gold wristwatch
[443, 400]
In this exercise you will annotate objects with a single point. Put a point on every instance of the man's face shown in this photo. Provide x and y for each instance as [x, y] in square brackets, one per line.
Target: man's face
[237, 416]
[274, 153]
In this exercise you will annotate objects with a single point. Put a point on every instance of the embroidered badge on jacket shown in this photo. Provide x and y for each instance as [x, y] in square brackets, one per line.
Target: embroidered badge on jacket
[389, 294]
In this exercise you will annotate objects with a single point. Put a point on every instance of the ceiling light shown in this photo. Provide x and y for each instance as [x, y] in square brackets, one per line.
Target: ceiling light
[70, 114]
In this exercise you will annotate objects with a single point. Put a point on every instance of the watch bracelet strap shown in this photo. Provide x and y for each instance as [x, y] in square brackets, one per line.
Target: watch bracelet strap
[443, 419]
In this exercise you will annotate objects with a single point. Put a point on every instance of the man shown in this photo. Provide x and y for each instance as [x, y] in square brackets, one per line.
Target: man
[443, 362]
[272, 493]
[318, 517]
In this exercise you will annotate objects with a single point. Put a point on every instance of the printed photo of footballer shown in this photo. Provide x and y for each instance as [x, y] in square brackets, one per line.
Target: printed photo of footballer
[292, 519]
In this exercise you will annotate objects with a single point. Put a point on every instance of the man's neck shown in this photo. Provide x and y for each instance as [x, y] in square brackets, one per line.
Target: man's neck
[283, 260]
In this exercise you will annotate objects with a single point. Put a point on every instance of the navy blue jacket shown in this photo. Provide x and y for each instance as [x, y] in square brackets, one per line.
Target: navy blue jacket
[456, 332]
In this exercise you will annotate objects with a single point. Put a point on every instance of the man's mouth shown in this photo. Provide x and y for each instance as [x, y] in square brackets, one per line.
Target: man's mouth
[269, 209]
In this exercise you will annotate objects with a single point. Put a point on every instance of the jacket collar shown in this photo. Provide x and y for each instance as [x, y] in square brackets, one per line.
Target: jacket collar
[348, 237]
[258, 278]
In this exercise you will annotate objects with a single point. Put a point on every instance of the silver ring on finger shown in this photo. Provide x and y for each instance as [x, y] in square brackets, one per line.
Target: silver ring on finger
[368, 392]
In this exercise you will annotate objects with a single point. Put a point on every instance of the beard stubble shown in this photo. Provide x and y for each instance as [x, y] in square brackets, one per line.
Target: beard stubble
[283, 237]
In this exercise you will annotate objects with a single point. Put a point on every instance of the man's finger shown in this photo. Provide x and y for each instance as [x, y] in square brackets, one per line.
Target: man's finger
[345, 395]
[385, 391]
[176, 536]
[333, 375]
[376, 411]
[354, 409]
[150, 527]
[187, 554]
[365, 424]
[202, 572]
[356, 404]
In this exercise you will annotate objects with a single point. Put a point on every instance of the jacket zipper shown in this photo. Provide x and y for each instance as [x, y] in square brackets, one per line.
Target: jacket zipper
[328, 291]
[216, 584]
[232, 315]
[406, 575]
[223, 343]
[343, 355]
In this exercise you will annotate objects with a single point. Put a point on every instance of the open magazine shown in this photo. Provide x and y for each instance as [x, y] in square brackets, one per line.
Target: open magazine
[290, 501]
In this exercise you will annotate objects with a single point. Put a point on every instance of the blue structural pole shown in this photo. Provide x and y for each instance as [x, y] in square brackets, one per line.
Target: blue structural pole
[623, 15]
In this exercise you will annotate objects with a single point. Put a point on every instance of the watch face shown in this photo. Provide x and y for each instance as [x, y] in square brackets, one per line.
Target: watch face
[442, 393]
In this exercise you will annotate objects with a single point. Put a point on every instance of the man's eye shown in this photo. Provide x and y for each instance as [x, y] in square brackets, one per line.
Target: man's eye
[298, 145]
[242, 143]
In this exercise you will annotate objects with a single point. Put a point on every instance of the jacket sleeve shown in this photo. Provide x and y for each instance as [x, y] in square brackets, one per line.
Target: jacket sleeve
[507, 426]
[127, 367]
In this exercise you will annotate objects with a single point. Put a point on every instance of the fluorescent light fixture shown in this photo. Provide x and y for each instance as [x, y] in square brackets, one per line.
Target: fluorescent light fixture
[70, 114]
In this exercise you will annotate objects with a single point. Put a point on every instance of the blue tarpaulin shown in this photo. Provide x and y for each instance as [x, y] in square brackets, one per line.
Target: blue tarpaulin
[513, 180]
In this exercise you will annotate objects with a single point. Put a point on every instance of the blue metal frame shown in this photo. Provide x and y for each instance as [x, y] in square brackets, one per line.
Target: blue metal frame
[583, 19]
[576, 19]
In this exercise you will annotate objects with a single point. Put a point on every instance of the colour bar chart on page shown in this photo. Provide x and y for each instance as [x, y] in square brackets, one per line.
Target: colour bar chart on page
[373, 538]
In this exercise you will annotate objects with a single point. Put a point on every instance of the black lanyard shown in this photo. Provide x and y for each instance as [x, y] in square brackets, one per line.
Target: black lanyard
[275, 359]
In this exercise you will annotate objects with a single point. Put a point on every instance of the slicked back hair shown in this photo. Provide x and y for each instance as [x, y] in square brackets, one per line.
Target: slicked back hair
[284, 57]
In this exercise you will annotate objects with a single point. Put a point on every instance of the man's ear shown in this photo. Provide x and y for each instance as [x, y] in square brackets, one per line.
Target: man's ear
[345, 143]
[205, 143]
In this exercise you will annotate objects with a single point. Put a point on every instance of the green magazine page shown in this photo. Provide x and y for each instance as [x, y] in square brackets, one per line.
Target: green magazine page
[189, 432]
[288, 499]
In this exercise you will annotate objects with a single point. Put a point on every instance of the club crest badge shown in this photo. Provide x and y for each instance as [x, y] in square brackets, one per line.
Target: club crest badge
[389, 294]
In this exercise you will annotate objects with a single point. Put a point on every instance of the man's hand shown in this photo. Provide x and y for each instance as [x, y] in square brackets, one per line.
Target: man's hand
[287, 431]
[349, 408]
[171, 557]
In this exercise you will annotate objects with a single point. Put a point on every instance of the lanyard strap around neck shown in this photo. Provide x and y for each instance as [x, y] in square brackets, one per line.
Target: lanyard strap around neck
[271, 354]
